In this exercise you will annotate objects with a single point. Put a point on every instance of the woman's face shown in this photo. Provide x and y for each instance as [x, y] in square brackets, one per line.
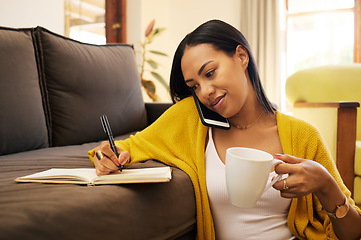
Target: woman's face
[219, 81]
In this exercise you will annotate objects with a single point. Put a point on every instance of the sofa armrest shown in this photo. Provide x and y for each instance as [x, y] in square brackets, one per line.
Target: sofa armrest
[346, 136]
[155, 109]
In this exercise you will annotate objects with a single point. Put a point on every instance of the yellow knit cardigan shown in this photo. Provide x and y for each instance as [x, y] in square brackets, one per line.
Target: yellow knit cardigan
[178, 139]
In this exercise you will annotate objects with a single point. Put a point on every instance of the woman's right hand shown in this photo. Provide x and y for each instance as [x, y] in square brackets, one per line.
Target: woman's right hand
[109, 162]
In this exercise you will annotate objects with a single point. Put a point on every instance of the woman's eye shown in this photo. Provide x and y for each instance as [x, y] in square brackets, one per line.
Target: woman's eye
[194, 87]
[209, 73]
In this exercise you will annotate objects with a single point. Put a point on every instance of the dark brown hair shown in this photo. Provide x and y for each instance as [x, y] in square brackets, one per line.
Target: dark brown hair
[223, 37]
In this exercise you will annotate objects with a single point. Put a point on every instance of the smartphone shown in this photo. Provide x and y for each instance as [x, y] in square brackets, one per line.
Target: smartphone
[208, 117]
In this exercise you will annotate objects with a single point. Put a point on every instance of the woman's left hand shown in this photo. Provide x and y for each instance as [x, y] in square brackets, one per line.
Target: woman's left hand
[305, 176]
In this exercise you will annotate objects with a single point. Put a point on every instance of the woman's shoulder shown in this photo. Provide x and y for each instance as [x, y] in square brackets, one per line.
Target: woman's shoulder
[300, 131]
[300, 137]
[185, 104]
[294, 123]
[181, 113]
[185, 107]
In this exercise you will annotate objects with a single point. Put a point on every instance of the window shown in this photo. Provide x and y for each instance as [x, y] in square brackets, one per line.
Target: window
[321, 32]
[96, 21]
[85, 20]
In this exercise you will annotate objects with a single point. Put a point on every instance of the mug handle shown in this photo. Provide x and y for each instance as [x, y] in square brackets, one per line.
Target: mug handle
[276, 162]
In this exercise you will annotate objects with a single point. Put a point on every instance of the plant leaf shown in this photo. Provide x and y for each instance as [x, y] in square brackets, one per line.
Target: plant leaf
[152, 63]
[158, 31]
[154, 33]
[158, 53]
[160, 79]
[149, 86]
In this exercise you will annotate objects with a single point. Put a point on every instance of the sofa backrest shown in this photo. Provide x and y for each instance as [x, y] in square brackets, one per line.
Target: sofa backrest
[55, 89]
[83, 82]
[22, 119]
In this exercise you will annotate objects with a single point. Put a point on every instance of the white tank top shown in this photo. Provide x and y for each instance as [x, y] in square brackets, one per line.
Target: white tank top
[267, 220]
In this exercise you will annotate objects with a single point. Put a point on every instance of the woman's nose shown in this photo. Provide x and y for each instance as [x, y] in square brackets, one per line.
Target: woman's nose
[207, 90]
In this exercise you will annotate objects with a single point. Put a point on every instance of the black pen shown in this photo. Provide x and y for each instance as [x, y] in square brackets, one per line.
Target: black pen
[109, 133]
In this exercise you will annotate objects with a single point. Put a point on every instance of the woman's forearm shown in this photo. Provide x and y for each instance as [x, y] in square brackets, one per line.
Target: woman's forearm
[347, 227]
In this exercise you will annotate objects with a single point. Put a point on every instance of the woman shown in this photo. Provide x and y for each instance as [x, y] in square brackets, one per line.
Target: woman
[215, 61]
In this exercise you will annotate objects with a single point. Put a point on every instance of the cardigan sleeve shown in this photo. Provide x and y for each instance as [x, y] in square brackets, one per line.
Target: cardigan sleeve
[306, 217]
[177, 138]
[171, 138]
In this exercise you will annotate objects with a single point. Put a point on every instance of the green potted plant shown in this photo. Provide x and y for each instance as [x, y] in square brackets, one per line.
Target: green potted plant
[148, 64]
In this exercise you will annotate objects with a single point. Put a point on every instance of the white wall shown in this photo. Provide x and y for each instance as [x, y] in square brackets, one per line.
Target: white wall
[32, 13]
[179, 17]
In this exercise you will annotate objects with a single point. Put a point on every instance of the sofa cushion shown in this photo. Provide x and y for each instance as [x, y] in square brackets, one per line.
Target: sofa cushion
[22, 121]
[67, 211]
[85, 81]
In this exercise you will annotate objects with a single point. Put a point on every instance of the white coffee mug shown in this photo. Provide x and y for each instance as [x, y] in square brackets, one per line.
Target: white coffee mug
[247, 172]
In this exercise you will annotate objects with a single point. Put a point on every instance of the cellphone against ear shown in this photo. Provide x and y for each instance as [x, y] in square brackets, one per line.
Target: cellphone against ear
[208, 117]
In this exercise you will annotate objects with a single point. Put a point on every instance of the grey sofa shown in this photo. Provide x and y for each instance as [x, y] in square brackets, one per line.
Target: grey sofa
[52, 92]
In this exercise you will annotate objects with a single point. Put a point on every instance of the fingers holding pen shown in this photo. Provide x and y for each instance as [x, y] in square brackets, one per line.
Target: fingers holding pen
[123, 156]
[102, 164]
[108, 152]
[106, 161]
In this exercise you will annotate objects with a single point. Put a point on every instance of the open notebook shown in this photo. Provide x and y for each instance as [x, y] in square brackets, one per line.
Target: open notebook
[88, 176]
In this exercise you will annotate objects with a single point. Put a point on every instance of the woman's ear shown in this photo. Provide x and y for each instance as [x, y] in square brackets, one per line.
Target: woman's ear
[242, 54]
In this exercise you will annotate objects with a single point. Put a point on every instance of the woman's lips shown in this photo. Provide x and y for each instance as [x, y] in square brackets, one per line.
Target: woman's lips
[218, 102]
